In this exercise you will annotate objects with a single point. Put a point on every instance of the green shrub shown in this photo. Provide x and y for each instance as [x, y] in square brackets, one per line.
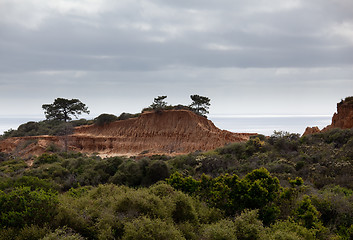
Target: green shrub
[222, 230]
[130, 173]
[237, 149]
[22, 206]
[27, 181]
[63, 234]
[288, 230]
[46, 158]
[146, 228]
[125, 116]
[249, 227]
[184, 210]
[156, 171]
[28, 232]
[228, 192]
[105, 119]
[133, 204]
[306, 214]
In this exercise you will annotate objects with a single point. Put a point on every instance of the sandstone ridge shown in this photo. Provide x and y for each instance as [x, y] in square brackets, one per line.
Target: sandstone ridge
[343, 118]
[170, 132]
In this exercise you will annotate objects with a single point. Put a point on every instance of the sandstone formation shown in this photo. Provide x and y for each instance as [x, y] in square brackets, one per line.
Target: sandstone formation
[344, 116]
[169, 132]
[342, 119]
[311, 130]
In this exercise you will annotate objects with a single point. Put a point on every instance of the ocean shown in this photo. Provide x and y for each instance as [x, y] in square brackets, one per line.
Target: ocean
[267, 124]
[262, 124]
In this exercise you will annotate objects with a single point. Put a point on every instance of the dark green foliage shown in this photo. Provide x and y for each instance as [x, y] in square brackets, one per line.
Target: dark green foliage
[222, 230]
[63, 234]
[33, 183]
[105, 119]
[12, 167]
[284, 141]
[335, 205]
[130, 173]
[200, 104]
[159, 103]
[145, 228]
[230, 193]
[156, 171]
[46, 158]
[238, 150]
[289, 230]
[31, 232]
[109, 211]
[249, 227]
[125, 116]
[319, 166]
[62, 109]
[184, 210]
[167, 107]
[22, 206]
[52, 127]
[306, 214]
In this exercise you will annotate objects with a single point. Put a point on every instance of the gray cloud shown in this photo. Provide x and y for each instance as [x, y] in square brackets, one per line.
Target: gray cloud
[110, 51]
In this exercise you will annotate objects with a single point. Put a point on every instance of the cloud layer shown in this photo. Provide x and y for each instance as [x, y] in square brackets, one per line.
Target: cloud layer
[237, 52]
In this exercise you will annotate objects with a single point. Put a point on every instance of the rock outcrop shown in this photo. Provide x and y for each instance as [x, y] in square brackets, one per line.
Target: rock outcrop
[169, 132]
[344, 116]
[311, 130]
[342, 119]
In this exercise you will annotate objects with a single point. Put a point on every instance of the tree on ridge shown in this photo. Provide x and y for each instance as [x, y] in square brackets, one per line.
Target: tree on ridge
[159, 103]
[200, 104]
[62, 109]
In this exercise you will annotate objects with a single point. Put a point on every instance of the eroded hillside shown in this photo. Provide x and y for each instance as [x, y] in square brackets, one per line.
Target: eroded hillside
[169, 132]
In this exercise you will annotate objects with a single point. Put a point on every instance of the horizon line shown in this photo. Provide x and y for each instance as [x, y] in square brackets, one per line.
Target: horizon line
[221, 115]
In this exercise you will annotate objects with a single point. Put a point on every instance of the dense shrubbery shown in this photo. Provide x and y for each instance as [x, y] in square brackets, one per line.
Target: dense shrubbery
[105, 118]
[47, 127]
[24, 206]
[282, 187]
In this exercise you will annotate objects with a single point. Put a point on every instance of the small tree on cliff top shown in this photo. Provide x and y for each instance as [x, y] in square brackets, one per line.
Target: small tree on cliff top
[159, 103]
[62, 109]
[200, 104]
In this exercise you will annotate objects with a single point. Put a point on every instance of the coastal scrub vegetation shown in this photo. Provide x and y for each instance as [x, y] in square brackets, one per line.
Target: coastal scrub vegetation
[278, 187]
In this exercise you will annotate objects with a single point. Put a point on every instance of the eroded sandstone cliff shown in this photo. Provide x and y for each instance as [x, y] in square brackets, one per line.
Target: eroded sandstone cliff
[169, 132]
[343, 118]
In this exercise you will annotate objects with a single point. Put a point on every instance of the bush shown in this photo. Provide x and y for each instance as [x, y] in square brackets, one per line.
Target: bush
[130, 173]
[125, 116]
[184, 211]
[46, 158]
[28, 232]
[146, 228]
[222, 230]
[156, 171]
[237, 149]
[306, 214]
[249, 227]
[288, 230]
[22, 206]
[63, 234]
[33, 183]
[105, 119]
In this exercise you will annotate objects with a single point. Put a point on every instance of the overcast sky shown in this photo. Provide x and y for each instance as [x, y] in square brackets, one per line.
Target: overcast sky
[249, 57]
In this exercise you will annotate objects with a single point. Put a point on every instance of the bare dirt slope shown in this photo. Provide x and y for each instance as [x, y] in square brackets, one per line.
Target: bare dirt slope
[169, 132]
